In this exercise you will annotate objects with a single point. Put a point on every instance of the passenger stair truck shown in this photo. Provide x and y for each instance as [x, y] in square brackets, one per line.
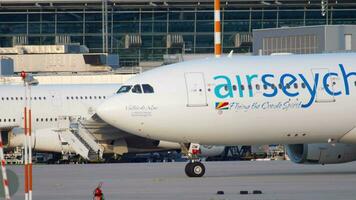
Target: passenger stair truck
[73, 133]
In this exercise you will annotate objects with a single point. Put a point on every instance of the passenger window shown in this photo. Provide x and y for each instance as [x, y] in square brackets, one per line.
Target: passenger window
[225, 88]
[136, 89]
[295, 85]
[258, 87]
[303, 85]
[265, 87]
[280, 86]
[147, 88]
[124, 89]
[242, 87]
[234, 87]
[250, 87]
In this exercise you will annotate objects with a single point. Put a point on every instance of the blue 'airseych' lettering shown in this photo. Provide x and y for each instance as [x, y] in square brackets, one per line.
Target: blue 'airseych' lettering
[224, 90]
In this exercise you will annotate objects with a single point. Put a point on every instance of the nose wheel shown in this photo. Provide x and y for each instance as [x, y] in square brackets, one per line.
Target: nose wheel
[195, 169]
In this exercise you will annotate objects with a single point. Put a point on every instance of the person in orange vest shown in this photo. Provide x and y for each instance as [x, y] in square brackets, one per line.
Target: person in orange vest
[98, 193]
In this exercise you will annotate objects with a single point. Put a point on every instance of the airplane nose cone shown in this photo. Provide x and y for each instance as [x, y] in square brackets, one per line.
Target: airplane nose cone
[109, 111]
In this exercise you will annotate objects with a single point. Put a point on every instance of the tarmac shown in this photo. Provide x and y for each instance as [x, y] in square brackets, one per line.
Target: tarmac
[167, 181]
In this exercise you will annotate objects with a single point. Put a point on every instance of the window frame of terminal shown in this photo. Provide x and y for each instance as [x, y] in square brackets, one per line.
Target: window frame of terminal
[137, 89]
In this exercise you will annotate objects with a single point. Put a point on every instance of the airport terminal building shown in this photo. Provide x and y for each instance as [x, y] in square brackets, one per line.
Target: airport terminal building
[146, 30]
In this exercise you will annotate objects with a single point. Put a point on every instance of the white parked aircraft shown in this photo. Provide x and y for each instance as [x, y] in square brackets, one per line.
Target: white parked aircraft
[64, 121]
[305, 101]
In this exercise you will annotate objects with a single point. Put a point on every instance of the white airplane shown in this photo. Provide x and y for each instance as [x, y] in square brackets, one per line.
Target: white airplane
[65, 121]
[307, 102]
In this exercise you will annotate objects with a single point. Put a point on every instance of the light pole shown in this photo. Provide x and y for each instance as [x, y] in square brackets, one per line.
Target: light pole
[28, 82]
[325, 10]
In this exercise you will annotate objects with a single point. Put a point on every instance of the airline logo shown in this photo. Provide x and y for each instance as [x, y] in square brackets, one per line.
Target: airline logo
[221, 105]
[230, 88]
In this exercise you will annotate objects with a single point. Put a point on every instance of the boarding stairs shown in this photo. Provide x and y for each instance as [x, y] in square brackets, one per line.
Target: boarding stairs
[79, 138]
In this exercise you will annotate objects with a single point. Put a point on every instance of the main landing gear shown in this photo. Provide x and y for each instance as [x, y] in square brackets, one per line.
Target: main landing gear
[194, 167]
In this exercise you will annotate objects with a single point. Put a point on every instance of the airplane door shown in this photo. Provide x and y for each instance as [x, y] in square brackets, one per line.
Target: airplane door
[196, 93]
[321, 95]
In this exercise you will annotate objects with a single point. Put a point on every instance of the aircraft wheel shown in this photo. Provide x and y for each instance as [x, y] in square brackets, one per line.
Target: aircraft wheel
[196, 169]
[188, 167]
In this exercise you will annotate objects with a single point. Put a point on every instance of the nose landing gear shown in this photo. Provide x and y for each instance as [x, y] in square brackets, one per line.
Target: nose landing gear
[194, 167]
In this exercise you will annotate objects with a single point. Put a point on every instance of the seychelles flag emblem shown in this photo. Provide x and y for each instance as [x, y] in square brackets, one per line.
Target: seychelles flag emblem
[221, 105]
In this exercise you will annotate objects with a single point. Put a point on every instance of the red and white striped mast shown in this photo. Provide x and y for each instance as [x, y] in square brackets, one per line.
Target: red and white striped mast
[217, 29]
[29, 141]
[23, 75]
[28, 81]
[5, 181]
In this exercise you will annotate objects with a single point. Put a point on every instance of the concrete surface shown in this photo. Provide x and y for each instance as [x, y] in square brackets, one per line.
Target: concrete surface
[167, 181]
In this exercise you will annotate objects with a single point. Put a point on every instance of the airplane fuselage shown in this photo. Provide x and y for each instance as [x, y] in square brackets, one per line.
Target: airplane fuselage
[48, 102]
[242, 100]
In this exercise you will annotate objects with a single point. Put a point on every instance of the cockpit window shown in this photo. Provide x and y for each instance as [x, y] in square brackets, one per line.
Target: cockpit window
[124, 89]
[147, 88]
[136, 89]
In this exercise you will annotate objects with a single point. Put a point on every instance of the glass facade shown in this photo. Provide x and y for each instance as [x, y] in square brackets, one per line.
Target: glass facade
[88, 26]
